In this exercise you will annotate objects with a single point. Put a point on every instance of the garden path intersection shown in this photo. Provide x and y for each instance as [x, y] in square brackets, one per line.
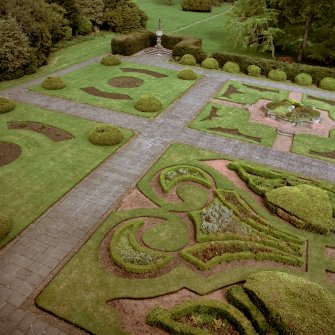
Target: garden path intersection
[43, 248]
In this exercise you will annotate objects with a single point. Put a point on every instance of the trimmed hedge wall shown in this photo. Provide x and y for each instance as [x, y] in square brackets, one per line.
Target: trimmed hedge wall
[129, 44]
[292, 70]
[196, 5]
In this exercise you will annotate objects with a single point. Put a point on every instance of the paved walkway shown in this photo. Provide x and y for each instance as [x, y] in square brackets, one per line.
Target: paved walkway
[41, 250]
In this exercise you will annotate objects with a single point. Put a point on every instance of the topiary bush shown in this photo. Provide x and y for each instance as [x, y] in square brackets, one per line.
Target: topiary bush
[303, 79]
[5, 225]
[210, 63]
[327, 84]
[187, 74]
[106, 135]
[277, 75]
[111, 60]
[197, 5]
[53, 83]
[6, 105]
[254, 70]
[231, 67]
[188, 60]
[148, 103]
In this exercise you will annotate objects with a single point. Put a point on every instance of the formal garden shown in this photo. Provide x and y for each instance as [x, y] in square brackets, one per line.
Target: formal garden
[166, 167]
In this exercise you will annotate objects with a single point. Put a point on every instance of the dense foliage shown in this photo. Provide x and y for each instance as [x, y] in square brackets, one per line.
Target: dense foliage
[29, 28]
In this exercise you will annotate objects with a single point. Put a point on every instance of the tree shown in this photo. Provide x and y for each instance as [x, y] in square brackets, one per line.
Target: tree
[92, 9]
[14, 46]
[254, 25]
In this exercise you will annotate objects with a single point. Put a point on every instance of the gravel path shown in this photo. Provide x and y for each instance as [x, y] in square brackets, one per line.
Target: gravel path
[45, 245]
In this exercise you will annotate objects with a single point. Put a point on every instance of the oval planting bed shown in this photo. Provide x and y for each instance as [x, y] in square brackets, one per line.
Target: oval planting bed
[125, 82]
[9, 152]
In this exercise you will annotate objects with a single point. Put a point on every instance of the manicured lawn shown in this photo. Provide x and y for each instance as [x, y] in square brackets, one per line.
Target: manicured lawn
[67, 54]
[98, 75]
[45, 170]
[324, 104]
[233, 122]
[81, 290]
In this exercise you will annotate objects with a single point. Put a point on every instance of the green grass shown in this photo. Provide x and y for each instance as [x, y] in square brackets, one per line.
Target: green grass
[303, 144]
[232, 118]
[46, 170]
[320, 104]
[81, 289]
[69, 53]
[97, 75]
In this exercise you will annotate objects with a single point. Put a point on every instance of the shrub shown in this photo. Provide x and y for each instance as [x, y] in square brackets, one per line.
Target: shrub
[327, 84]
[169, 41]
[231, 67]
[111, 60]
[85, 26]
[134, 42]
[197, 5]
[210, 63]
[53, 83]
[6, 105]
[187, 74]
[148, 103]
[303, 79]
[5, 225]
[105, 135]
[188, 60]
[254, 70]
[277, 75]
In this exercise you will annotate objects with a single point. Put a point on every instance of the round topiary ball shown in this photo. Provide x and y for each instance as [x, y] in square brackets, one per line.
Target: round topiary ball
[53, 83]
[303, 79]
[187, 74]
[106, 134]
[5, 225]
[6, 105]
[111, 60]
[254, 70]
[188, 60]
[231, 67]
[148, 103]
[210, 63]
[277, 75]
[327, 84]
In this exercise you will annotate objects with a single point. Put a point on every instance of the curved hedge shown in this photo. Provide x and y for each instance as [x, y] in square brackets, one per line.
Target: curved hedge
[327, 84]
[105, 135]
[303, 79]
[231, 67]
[188, 60]
[53, 83]
[187, 74]
[148, 104]
[210, 63]
[5, 225]
[6, 105]
[196, 5]
[111, 60]
[277, 75]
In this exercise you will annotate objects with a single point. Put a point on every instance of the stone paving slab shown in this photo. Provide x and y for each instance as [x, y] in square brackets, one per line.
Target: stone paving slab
[44, 245]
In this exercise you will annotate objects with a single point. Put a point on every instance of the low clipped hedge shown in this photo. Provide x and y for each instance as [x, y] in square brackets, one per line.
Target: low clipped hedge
[196, 5]
[292, 70]
[188, 59]
[231, 67]
[303, 79]
[327, 84]
[277, 75]
[292, 305]
[111, 60]
[129, 44]
[53, 83]
[210, 63]
[238, 298]
[6, 105]
[187, 74]
[148, 104]
[254, 70]
[166, 319]
[105, 135]
[5, 225]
